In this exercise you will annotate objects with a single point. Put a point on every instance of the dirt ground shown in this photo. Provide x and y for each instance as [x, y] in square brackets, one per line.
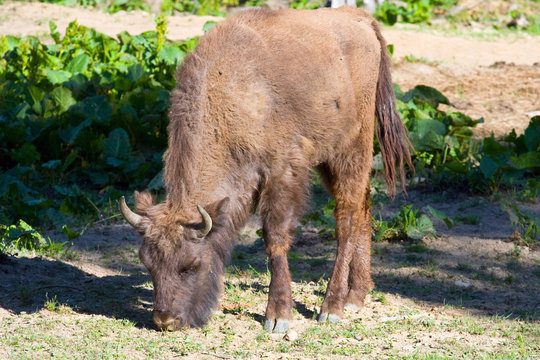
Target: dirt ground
[471, 269]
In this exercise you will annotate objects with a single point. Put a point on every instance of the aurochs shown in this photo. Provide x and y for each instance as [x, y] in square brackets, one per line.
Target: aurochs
[263, 98]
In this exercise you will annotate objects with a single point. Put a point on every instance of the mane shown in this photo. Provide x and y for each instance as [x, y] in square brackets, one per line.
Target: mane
[185, 129]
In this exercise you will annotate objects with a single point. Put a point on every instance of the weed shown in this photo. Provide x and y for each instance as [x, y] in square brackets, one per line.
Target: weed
[416, 248]
[378, 296]
[471, 219]
[413, 59]
[531, 191]
[526, 221]
[407, 223]
[23, 237]
[51, 304]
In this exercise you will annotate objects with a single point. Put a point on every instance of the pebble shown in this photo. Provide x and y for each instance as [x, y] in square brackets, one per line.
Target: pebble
[462, 284]
[291, 335]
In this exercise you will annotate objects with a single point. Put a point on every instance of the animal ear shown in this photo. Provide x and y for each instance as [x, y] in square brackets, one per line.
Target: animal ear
[143, 201]
[218, 209]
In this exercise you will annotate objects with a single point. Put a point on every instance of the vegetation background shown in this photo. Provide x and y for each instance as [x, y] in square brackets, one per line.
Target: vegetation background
[83, 119]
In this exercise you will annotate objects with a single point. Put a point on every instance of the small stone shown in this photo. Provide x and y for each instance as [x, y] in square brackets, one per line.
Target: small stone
[291, 335]
[462, 284]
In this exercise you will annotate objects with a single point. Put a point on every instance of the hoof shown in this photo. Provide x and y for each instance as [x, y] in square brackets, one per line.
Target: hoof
[331, 318]
[279, 326]
[352, 307]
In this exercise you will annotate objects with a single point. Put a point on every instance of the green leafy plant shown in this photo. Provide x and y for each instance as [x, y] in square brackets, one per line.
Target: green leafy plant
[438, 214]
[408, 223]
[447, 153]
[322, 218]
[81, 118]
[527, 223]
[411, 11]
[23, 237]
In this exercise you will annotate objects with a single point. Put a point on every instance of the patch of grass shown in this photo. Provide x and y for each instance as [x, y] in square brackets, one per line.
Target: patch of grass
[417, 248]
[413, 59]
[413, 259]
[378, 296]
[464, 267]
[471, 219]
[52, 305]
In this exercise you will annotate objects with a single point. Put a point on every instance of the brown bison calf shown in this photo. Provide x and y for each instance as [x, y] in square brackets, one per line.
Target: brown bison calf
[264, 97]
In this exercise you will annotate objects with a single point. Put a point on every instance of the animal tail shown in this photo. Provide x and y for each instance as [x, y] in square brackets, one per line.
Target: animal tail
[390, 130]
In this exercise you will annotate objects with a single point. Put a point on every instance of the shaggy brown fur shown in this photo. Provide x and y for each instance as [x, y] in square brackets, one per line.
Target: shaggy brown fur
[264, 97]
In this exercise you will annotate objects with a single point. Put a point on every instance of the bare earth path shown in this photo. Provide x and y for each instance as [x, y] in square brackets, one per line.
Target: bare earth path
[439, 298]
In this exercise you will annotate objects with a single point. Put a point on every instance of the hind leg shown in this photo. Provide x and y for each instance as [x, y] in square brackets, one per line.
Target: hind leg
[347, 178]
[360, 282]
[281, 203]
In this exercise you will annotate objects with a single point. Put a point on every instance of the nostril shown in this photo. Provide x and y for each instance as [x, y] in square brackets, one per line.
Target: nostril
[164, 320]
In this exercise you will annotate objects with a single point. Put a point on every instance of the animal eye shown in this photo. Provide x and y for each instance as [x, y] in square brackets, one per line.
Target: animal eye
[190, 269]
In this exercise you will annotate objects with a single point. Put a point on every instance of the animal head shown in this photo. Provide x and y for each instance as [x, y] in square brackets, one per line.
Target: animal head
[186, 269]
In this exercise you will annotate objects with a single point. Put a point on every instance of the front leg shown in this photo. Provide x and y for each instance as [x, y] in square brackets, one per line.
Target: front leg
[281, 203]
[278, 310]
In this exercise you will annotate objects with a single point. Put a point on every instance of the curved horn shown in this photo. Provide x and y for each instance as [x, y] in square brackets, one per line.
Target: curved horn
[207, 222]
[131, 217]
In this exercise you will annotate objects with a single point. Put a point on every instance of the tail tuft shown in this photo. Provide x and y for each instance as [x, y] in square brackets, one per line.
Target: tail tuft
[391, 132]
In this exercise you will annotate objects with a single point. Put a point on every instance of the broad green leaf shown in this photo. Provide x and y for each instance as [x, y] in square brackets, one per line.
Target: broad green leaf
[490, 146]
[70, 159]
[114, 162]
[488, 166]
[390, 49]
[57, 76]
[27, 154]
[157, 182]
[36, 94]
[532, 134]
[426, 93]
[208, 25]
[62, 97]
[527, 160]
[423, 228]
[457, 166]
[96, 108]
[171, 55]
[70, 233]
[78, 64]
[70, 134]
[98, 178]
[117, 145]
[51, 164]
[429, 141]
[438, 214]
[54, 34]
[135, 72]
[426, 125]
